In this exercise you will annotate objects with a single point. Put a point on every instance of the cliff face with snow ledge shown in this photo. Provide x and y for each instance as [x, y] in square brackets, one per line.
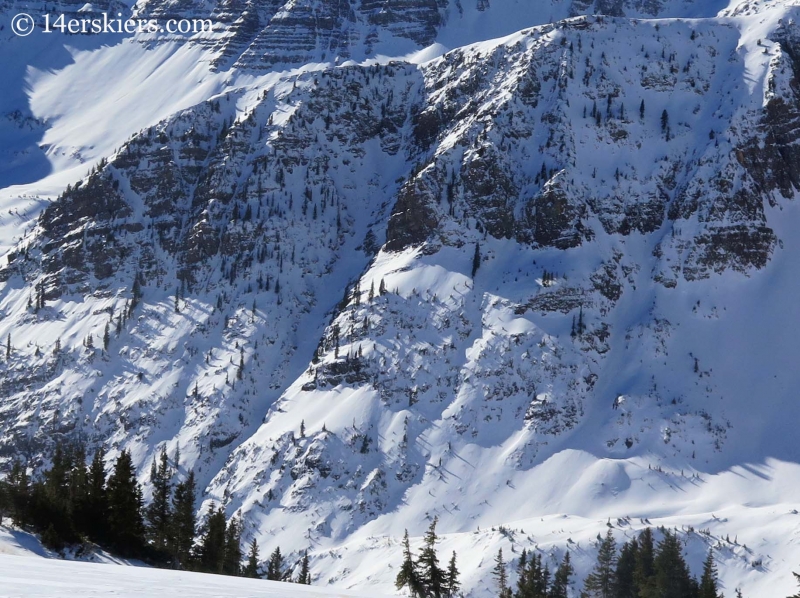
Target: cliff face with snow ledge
[623, 353]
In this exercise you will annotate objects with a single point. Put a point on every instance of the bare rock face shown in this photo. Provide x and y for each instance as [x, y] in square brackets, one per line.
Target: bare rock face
[309, 29]
[772, 154]
[256, 35]
[412, 221]
[418, 20]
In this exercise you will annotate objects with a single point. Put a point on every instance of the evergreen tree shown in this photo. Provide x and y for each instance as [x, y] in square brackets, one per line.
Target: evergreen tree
[232, 559]
[430, 573]
[78, 487]
[19, 493]
[602, 581]
[5, 505]
[211, 551]
[562, 578]
[183, 520]
[158, 512]
[476, 259]
[106, 337]
[52, 539]
[522, 575]
[92, 511]
[708, 582]
[641, 109]
[56, 479]
[501, 577]
[645, 572]
[275, 571]
[136, 295]
[539, 577]
[305, 571]
[408, 576]
[251, 569]
[797, 578]
[535, 579]
[626, 570]
[672, 575]
[50, 506]
[452, 586]
[125, 522]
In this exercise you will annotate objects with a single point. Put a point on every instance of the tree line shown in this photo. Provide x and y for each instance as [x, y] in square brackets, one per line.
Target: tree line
[641, 568]
[71, 502]
[534, 580]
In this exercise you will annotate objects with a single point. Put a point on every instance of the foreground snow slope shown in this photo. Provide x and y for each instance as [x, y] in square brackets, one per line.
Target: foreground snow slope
[31, 577]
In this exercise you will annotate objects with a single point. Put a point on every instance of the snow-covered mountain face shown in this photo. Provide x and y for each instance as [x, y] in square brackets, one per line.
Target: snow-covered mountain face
[273, 228]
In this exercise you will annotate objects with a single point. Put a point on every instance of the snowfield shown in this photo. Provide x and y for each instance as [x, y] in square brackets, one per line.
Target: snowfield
[31, 577]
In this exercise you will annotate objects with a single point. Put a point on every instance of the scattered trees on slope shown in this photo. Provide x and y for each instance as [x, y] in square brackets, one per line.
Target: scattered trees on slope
[639, 569]
[642, 570]
[70, 503]
[423, 577]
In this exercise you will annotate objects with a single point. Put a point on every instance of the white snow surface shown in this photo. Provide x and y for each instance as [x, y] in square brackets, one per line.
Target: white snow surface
[30, 577]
